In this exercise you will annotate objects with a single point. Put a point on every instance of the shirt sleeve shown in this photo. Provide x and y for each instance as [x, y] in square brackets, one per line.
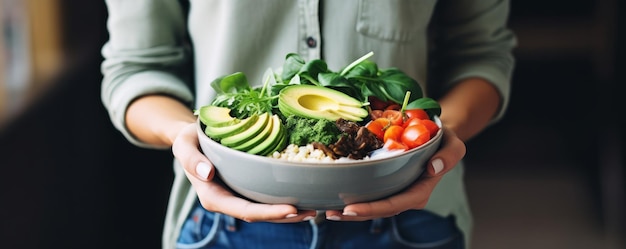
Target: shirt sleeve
[472, 40]
[145, 54]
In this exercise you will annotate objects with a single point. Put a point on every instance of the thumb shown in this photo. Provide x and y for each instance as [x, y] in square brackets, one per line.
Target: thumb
[451, 152]
[186, 150]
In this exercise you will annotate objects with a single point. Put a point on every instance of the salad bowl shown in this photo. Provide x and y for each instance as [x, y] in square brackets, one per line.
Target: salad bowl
[316, 185]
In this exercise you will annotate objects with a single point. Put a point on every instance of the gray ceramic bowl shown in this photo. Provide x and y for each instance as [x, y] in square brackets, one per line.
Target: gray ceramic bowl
[318, 186]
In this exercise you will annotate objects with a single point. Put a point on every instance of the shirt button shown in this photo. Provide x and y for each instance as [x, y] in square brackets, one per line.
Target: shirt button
[311, 42]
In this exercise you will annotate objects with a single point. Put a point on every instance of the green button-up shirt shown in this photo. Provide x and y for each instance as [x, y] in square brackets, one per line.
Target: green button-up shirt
[158, 46]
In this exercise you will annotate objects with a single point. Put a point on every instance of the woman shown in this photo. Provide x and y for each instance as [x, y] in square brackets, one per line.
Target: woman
[163, 54]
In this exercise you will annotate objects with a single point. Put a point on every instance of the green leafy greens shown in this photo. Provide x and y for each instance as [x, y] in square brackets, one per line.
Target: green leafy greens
[234, 92]
[360, 79]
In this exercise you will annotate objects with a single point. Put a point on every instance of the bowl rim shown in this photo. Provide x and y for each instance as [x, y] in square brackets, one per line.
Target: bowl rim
[336, 163]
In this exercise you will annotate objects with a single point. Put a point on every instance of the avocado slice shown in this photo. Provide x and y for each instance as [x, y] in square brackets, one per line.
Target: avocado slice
[261, 136]
[319, 102]
[250, 132]
[216, 116]
[277, 143]
[270, 142]
[226, 131]
[280, 145]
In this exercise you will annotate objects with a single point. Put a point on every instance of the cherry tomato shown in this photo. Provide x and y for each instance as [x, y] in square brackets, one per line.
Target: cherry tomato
[411, 121]
[394, 116]
[376, 103]
[384, 122]
[430, 125]
[376, 128]
[393, 132]
[394, 145]
[416, 113]
[393, 107]
[415, 135]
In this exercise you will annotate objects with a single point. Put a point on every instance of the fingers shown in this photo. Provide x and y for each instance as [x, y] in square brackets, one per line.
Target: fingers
[186, 150]
[214, 197]
[451, 152]
[416, 196]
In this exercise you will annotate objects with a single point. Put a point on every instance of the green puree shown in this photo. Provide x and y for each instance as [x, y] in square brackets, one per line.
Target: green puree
[303, 131]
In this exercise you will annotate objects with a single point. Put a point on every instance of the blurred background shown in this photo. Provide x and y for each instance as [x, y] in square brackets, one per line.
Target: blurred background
[549, 175]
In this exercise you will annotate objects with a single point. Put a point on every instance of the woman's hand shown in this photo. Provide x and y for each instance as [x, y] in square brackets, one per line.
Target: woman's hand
[164, 121]
[215, 197]
[416, 196]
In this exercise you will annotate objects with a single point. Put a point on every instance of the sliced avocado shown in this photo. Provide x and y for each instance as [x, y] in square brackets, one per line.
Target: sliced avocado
[272, 139]
[276, 143]
[280, 145]
[247, 145]
[225, 131]
[216, 116]
[247, 134]
[319, 102]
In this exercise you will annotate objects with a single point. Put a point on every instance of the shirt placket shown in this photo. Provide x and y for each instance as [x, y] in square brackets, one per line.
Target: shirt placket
[309, 34]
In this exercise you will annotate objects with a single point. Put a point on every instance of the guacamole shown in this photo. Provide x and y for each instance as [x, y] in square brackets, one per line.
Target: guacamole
[302, 131]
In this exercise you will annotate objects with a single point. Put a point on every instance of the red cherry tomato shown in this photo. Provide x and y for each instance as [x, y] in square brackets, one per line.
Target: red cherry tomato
[384, 122]
[394, 116]
[393, 107]
[411, 121]
[394, 145]
[376, 128]
[415, 135]
[430, 125]
[393, 132]
[416, 113]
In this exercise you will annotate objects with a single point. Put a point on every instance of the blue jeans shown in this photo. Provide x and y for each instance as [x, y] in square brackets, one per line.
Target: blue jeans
[411, 229]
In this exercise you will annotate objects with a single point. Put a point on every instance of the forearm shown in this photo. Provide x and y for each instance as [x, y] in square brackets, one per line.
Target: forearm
[157, 119]
[469, 107]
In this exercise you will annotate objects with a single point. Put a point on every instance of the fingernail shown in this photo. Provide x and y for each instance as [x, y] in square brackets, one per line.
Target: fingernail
[334, 217]
[437, 165]
[290, 216]
[203, 170]
[349, 213]
[308, 218]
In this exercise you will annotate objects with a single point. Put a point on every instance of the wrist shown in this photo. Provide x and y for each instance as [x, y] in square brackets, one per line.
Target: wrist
[469, 107]
[157, 119]
[171, 131]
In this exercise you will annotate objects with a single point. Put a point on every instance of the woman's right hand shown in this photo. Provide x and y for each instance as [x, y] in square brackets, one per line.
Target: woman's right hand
[215, 197]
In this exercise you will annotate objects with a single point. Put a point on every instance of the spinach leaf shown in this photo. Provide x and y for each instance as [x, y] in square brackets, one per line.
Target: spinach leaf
[311, 70]
[396, 83]
[231, 83]
[428, 104]
[365, 68]
[292, 65]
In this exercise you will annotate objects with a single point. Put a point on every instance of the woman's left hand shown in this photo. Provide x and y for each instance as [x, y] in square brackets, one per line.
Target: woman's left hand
[416, 196]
